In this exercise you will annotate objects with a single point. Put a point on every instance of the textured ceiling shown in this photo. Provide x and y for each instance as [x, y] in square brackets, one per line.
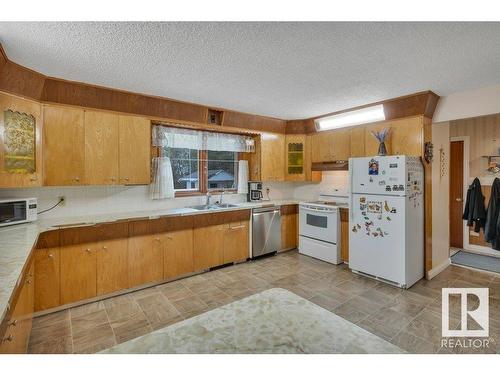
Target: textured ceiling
[286, 70]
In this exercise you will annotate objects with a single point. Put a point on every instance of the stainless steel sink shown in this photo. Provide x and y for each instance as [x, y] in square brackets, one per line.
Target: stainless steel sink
[203, 207]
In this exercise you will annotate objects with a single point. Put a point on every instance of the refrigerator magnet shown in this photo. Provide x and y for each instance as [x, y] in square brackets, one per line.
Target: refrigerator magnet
[373, 167]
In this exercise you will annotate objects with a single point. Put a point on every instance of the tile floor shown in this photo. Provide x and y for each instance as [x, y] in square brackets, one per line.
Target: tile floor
[410, 319]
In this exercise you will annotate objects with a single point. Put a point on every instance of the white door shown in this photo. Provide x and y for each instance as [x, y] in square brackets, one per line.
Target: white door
[377, 236]
[378, 175]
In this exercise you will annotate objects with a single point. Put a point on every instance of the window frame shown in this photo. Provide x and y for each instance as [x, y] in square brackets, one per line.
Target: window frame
[202, 175]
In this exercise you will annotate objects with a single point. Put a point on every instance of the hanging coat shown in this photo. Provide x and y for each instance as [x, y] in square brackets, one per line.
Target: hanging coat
[492, 226]
[474, 212]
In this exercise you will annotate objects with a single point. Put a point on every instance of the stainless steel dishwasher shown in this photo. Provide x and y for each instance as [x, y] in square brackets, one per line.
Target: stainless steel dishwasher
[266, 230]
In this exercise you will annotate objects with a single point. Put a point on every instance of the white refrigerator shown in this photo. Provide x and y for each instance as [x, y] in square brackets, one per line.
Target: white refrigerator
[386, 218]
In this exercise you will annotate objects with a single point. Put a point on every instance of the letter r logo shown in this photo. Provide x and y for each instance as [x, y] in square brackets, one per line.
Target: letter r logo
[480, 314]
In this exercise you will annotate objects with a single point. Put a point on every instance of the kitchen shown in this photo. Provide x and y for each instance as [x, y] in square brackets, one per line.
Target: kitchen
[126, 213]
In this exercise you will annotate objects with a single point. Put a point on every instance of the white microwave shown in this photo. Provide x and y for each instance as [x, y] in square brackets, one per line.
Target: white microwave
[17, 211]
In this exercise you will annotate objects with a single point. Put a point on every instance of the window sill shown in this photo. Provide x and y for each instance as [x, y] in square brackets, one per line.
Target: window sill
[182, 194]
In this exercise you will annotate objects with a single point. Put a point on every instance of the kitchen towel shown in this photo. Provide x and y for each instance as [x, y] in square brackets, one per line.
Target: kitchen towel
[243, 177]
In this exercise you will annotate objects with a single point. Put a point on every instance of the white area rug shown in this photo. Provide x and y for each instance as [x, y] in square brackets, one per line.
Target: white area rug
[273, 321]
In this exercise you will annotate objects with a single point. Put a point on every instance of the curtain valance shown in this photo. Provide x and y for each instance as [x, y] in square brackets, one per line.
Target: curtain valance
[165, 136]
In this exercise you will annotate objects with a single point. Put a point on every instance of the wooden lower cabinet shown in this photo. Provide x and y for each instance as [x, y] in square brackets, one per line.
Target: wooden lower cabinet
[209, 246]
[145, 259]
[289, 227]
[178, 253]
[47, 278]
[236, 247]
[78, 272]
[16, 337]
[344, 234]
[112, 266]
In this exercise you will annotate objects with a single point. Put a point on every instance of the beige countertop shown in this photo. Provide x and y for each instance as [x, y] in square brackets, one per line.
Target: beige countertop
[17, 241]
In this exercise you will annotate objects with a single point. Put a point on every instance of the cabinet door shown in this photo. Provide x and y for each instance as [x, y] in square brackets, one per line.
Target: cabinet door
[295, 157]
[63, 146]
[47, 278]
[112, 266]
[272, 157]
[344, 235]
[145, 259]
[178, 257]
[317, 148]
[78, 272]
[135, 150]
[20, 142]
[289, 231]
[340, 145]
[101, 148]
[208, 246]
[236, 242]
[357, 140]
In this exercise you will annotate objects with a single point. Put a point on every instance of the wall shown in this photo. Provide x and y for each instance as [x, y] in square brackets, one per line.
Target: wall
[440, 196]
[484, 136]
[95, 200]
[471, 103]
[331, 180]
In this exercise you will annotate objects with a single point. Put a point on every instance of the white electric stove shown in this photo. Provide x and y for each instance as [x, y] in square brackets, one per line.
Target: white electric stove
[319, 227]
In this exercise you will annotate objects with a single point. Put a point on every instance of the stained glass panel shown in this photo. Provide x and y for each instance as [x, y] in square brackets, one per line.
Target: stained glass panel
[19, 142]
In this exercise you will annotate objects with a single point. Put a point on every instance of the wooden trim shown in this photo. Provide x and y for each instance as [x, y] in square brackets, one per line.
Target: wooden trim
[418, 104]
[427, 137]
[289, 209]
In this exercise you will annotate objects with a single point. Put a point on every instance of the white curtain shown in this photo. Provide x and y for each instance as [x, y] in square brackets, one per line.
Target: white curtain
[243, 177]
[164, 136]
[162, 186]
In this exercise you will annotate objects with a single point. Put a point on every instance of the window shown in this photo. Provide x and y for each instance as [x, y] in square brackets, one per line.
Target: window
[201, 171]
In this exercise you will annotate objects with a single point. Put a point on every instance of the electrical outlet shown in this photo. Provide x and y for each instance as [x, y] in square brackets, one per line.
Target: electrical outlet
[63, 200]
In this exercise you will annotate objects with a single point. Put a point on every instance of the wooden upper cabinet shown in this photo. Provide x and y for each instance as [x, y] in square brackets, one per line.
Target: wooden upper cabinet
[101, 148]
[20, 142]
[272, 157]
[63, 146]
[357, 141]
[134, 150]
[295, 157]
[330, 146]
[405, 137]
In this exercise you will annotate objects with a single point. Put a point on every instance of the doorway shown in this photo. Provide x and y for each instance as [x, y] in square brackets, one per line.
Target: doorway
[456, 194]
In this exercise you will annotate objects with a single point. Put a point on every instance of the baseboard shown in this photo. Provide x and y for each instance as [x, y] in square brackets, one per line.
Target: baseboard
[437, 270]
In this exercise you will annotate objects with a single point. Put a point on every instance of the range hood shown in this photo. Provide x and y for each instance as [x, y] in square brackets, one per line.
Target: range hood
[337, 165]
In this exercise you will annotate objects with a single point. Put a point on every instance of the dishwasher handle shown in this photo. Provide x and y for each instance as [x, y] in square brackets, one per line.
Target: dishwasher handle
[266, 209]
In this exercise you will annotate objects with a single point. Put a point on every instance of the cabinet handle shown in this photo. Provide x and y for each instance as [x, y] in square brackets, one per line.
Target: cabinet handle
[87, 250]
[77, 179]
[157, 239]
[238, 227]
[13, 323]
[51, 255]
[34, 178]
[28, 281]
[169, 238]
[9, 338]
[105, 248]
[126, 178]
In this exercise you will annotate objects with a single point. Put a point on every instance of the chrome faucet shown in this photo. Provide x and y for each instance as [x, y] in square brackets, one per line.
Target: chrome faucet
[207, 203]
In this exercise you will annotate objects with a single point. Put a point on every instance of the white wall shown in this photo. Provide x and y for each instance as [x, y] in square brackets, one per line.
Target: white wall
[440, 196]
[471, 103]
[331, 180]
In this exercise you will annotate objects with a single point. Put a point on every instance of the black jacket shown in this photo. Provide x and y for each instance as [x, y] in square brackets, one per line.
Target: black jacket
[475, 212]
[492, 226]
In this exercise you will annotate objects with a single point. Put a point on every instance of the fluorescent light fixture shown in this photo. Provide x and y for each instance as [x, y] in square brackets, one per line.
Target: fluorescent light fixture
[351, 118]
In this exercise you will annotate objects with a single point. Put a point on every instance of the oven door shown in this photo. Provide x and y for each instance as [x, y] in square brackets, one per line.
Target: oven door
[12, 212]
[318, 223]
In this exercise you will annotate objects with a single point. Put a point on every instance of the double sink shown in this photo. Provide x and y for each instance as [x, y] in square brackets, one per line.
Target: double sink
[203, 207]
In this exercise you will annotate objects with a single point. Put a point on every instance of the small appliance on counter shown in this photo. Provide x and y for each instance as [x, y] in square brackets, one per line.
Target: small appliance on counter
[386, 218]
[254, 191]
[17, 211]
